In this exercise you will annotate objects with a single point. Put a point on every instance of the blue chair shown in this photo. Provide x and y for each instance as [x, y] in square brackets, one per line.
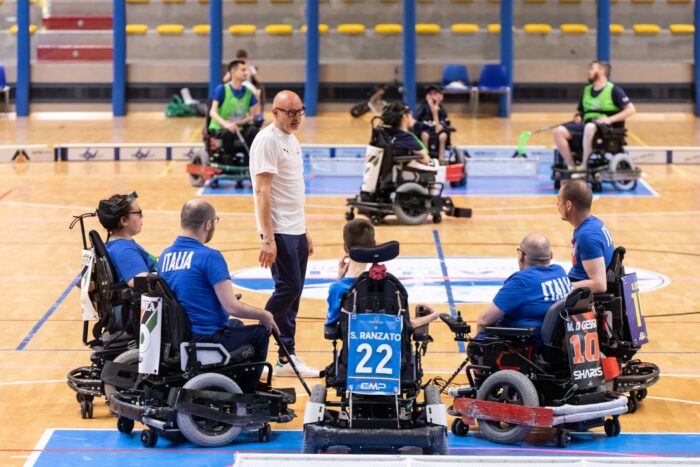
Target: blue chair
[492, 80]
[4, 89]
[455, 79]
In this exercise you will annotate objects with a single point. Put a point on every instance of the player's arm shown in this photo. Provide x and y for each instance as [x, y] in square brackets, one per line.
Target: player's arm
[489, 317]
[597, 280]
[234, 307]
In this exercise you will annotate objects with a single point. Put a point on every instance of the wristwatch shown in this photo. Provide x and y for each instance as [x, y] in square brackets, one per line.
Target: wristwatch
[267, 241]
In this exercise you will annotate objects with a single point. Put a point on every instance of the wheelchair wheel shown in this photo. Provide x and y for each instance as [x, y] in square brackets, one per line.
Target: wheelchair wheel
[409, 206]
[207, 432]
[459, 428]
[612, 427]
[130, 357]
[507, 387]
[198, 181]
[622, 162]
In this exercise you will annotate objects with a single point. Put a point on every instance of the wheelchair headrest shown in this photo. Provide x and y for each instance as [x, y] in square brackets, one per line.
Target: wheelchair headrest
[375, 254]
[109, 213]
[616, 269]
[101, 250]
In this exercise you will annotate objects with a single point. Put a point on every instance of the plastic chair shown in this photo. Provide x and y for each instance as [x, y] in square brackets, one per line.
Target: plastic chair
[455, 79]
[493, 80]
[5, 90]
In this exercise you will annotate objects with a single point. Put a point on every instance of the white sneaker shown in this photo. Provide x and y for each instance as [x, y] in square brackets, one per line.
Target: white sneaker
[287, 370]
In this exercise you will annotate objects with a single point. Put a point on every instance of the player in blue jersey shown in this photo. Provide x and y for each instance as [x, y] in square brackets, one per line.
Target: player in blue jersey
[592, 245]
[527, 294]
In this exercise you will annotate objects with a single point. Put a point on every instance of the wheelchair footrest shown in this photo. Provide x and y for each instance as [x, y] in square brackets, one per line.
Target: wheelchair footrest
[459, 212]
[472, 409]
[204, 171]
[637, 375]
[323, 436]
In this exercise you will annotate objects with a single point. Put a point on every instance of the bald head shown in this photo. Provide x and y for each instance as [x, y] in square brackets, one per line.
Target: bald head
[537, 250]
[196, 212]
[288, 111]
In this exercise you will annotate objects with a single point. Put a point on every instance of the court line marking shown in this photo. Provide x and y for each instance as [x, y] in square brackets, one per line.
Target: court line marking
[446, 280]
[48, 314]
[39, 447]
[167, 169]
[671, 399]
[193, 135]
[636, 138]
[14, 383]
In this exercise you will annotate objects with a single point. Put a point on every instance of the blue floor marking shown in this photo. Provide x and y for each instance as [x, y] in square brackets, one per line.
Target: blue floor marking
[446, 280]
[48, 314]
[110, 448]
[493, 186]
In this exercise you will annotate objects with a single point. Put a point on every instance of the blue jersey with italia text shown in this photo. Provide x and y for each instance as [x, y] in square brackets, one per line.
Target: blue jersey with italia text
[192, 270]
[129, 259]
[591, 240]
[335, 294]
[527, 295]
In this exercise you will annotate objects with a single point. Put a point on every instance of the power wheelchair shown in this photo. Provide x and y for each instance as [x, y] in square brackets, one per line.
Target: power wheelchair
[377, 374]
[114, 308]
[608, 163]
[622, 332]
[453, 155]
[198, 389]
[513, 387]
[217, 162]
[394, 183]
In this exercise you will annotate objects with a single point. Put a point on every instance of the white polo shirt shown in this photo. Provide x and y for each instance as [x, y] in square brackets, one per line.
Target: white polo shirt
[273, 151]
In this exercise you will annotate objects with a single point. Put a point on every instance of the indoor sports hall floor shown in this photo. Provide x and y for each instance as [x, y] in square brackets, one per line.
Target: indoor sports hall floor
[40, 322]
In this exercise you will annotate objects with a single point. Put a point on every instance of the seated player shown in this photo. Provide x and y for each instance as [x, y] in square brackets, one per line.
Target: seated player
[232, 108]
[526, 295]
[199, 277]
[602, 103]
[359, 233]
[431, 119]
[123, 219]
[397, 116]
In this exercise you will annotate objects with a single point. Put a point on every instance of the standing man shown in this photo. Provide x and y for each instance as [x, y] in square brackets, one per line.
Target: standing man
[592, 245]
[277, 171]
[602, 103]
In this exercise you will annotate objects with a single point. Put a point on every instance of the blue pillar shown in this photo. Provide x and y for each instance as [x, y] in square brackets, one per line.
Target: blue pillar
[504, 101]
[119, 58]
[697, 58]
[409, 52]
[312, 58]
[216, 54]
[603, 42]
[23, 78]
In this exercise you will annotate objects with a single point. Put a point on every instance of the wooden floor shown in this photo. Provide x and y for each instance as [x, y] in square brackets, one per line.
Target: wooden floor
[39, 256]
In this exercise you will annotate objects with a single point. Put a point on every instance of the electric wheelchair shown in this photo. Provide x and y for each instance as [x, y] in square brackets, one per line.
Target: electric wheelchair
[114, 306]
[198, 389]
[377, 374]
[608, 163]
[453, 155]
[622, 331]
[513, 387]
[395, 183]
[219, 162]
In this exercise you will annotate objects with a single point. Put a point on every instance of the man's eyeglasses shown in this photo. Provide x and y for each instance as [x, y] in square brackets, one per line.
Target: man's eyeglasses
[138, 213]
[293, 113]
[215, 220]
[521, 251]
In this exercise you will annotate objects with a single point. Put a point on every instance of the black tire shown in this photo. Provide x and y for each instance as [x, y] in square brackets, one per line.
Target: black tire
[318, 394]
[205, 432]
[509, 387]
[562, 438]
[197, 181]
[350, 215]
[622, 162]
[86, 408]
[214, 184]
[130, 357]
[596, 187]
[432, 395]
[264, 433]
[437, 218]
[612, 427]
[632, 403]
[641, 394]
[407, 213]
[359, 110]
[149, 439]
[459, 428]
[375, 220]
[125, 425]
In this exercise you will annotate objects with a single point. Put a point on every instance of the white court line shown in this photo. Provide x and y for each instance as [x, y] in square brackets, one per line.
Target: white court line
[40, 445]
[14, 383]
[671, 399]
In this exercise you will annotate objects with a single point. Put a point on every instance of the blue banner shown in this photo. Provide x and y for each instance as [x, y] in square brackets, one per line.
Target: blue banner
[633, 309]
[374, 354]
